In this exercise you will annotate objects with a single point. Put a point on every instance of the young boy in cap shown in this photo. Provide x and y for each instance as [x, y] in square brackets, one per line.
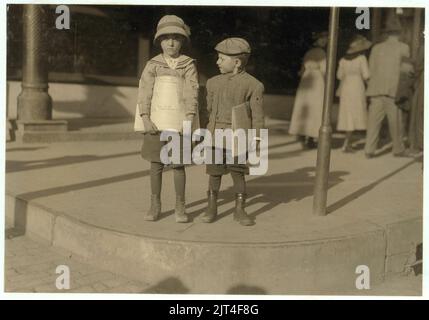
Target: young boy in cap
[233, 87]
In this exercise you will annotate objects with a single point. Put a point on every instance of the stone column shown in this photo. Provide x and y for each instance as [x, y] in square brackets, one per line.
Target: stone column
[34, 102]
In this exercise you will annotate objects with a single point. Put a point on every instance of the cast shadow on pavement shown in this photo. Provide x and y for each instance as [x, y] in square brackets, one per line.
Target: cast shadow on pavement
[341, 203]
[21, 200]
[271, 190]
[169, 285]
[282, 144]
[19, 220]
[285, 187]
[15, 166]
[24, 149]
[336, 143]
[417, 266]
[173, 285]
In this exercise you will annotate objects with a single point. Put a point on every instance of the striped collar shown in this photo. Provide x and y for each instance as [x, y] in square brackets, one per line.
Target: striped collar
[182, 61]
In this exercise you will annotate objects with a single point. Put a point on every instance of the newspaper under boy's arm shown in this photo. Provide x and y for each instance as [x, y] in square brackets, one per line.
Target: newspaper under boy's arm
[257, 109]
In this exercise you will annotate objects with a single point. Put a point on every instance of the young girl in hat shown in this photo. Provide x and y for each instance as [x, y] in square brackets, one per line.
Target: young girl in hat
[352, 72]
[175, 72]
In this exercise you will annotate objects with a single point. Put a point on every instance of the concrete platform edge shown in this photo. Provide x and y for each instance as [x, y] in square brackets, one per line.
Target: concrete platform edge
[309, 267]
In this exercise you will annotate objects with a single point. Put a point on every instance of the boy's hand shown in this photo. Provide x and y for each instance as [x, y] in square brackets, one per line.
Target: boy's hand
[149, 126]
[256, 144]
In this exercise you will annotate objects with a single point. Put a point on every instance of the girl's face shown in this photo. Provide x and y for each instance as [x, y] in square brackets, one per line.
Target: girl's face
[171, 44]
[227, 64]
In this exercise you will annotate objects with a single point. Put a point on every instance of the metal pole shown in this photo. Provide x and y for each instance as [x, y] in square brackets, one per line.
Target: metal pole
[34, 102]
[416, 33]
[324, 145]
[375, 24]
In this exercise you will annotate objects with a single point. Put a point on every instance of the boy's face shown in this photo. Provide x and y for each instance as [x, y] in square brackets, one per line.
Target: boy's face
[171, 44]
[226, 64]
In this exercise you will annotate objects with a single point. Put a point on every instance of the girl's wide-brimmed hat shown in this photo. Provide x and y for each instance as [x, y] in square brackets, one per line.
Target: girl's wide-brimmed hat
[360, 43]
[171, 24]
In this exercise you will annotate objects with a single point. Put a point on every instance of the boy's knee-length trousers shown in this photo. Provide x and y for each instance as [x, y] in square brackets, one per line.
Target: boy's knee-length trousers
[225, 168]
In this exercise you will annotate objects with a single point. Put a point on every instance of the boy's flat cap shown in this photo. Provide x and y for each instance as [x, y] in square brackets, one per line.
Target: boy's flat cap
[233, 46]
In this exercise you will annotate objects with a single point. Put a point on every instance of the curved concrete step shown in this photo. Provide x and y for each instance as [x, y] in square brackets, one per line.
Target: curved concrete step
[317, 265]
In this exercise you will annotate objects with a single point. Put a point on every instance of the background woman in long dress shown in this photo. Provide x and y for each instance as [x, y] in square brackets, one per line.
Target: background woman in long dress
[308, 106]
[353, 70]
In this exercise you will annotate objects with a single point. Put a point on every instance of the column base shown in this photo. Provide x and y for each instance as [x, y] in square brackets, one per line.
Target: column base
[34, 104]
[28, 130]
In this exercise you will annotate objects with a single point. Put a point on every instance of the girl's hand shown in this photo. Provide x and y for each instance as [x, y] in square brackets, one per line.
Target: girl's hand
[149, 126]
[190, 117]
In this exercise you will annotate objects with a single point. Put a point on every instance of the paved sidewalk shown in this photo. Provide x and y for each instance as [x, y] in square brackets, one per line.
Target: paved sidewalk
[30, 266]
[81, 195]
[107, 184]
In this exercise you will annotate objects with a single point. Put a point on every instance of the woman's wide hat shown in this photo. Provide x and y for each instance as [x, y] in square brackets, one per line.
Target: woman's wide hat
[320, 34]
[392, 24]
[171, 24]
[360, 43]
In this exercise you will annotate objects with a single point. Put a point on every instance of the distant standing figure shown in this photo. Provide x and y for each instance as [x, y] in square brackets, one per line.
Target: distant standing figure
[352, 72]
[308, 105]
[417, 115]
[384, 64]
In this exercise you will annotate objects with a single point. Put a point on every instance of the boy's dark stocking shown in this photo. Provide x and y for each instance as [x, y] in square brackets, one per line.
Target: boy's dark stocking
[211, 212]
[239, 182]
[214, 183]
[240, 198]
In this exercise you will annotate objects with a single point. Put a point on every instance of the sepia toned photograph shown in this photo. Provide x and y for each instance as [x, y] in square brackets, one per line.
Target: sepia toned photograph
[172, 149]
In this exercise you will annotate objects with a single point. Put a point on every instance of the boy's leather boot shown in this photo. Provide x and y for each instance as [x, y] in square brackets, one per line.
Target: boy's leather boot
[211, 212]
[239, 214]
[155, 208]
[179, 211]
